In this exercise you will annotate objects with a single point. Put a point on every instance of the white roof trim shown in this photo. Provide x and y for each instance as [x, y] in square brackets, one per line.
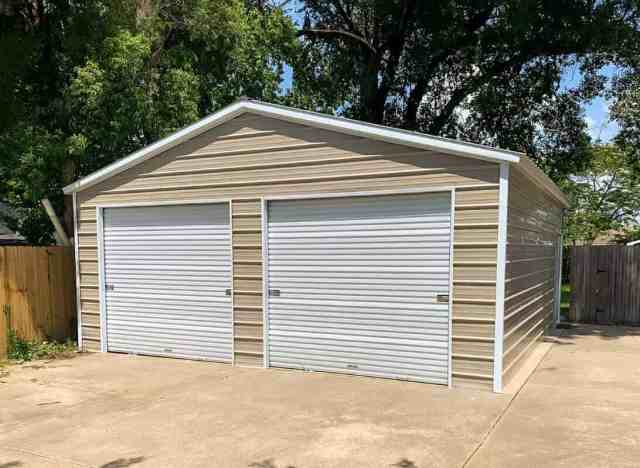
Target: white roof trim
[314, 119]
[160, 146]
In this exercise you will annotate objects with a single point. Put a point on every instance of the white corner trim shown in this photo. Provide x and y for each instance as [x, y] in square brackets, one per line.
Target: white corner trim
[314, 119]
[452, 224]
[101, 280]
[232, 285]
[503, 211]
[76, 252]
[264, 226]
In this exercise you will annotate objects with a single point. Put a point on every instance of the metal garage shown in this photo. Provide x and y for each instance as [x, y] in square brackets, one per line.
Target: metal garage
[267, 236]
[361, 285]
[167, 272]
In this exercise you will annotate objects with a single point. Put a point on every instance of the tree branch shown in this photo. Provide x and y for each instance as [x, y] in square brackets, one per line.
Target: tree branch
[474, 83]
[419, 90]
[337, 33]
[347, 19]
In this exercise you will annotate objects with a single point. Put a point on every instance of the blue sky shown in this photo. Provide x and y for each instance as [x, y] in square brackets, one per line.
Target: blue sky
[596, 112]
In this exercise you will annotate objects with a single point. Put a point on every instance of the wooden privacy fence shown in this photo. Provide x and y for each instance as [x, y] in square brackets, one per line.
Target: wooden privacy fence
[605, 284]
[37, 293]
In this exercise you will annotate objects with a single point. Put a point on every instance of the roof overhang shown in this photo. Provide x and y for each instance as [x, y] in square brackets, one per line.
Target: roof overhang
[314, 119]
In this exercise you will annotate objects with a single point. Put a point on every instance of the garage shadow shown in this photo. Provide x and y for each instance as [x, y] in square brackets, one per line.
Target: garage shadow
[567, 333]
[12, 464]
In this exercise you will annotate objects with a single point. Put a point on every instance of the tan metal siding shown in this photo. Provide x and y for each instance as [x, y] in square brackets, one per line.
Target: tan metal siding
[533, 230]
[246, 227]
[250, 157]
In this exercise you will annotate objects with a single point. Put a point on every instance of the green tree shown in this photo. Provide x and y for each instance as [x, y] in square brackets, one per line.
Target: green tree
[485, 70]
[626, 112]
[88, 82]
[604, 197]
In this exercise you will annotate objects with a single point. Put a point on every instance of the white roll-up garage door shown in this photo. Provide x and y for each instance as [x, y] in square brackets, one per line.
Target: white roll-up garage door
[167, 270]
[360, 285]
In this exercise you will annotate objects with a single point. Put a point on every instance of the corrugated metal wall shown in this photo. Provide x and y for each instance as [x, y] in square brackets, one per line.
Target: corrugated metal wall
[252, 156]
[354, 285]
[533, 234]
[168, 269]
[247, 282]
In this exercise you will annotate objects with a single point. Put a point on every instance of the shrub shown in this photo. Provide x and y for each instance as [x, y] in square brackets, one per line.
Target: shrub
[24, 350]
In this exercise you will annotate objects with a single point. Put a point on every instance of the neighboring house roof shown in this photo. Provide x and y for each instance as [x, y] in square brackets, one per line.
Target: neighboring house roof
[327, 122]
[7, 236]
[609, 237]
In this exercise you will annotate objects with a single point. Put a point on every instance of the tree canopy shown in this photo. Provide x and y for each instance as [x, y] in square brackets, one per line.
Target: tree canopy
[487, 71]
[85, 82]
[604, 197]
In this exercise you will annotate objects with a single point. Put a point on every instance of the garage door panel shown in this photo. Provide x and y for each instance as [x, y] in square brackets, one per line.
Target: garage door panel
[178, 349]
[391, 365]
[362, 352]
[156, 316]
[372, 371]
[359, 305]
[434, 346]
[358, 280]
[358, 271]
[346, 317]
[362, 322]
[168, 269]
[361, 293]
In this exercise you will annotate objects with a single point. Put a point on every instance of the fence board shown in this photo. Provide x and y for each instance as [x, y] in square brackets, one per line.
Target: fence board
[605, 284]
[37, 291]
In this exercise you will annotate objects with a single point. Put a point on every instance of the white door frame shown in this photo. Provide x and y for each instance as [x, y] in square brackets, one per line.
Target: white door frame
[100, 207]
[264, 202]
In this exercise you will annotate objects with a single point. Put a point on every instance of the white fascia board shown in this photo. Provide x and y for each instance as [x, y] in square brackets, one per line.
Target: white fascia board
[382, 133]
[313, 119]
[158, 147]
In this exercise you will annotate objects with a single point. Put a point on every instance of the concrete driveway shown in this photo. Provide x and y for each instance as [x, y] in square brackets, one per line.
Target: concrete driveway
[578, 409]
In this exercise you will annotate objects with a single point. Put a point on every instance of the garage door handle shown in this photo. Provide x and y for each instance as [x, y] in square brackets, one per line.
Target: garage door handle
[274, 292]
[442, 298]
[227, 292]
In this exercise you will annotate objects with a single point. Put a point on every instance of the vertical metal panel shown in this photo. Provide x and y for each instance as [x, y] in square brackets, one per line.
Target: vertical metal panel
[451, 291]
[101, 279]
[233, 286]
[265, 282]
[353, 285]
[503, 210]
[77, 268]
[167, 270]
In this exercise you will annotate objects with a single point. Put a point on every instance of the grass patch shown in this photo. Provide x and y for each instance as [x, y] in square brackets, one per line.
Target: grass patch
[24, 350]
[565, 299]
